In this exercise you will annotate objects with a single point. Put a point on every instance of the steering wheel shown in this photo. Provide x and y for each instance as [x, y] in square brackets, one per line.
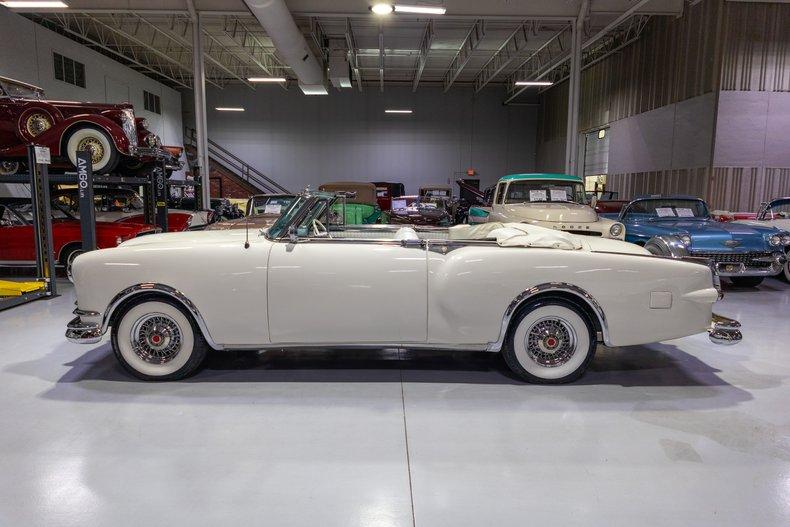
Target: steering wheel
[320, 230]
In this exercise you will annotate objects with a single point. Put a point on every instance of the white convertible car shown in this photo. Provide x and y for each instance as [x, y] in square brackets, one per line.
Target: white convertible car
[543, 298]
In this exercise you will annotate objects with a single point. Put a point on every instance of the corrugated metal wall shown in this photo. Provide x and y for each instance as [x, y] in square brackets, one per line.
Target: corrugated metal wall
[716, 45]
[674, 60]
[756, 47]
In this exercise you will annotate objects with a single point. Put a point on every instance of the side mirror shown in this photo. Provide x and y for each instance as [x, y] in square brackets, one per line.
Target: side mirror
[293, 237]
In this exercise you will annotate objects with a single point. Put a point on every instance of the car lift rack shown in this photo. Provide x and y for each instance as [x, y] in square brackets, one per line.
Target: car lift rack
[155, 195]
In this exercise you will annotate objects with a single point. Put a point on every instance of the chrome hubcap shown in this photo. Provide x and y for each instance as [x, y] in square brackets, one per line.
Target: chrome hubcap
[156, 338]
[8, 167]
[550, 341]
[94, 146]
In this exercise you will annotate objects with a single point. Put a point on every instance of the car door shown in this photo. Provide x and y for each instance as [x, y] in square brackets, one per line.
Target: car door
[349, 291]
[17, 243]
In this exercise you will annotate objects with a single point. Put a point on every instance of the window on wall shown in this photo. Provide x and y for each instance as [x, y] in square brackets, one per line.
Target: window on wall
[69, 70]
[152, 102]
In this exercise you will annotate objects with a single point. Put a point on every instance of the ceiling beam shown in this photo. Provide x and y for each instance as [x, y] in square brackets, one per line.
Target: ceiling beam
[470, 43]
[516, 42]
[353, 59]
[425, 47]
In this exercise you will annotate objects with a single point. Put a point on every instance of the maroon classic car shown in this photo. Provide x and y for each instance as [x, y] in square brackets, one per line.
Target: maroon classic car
[16, 232]
[110, 132]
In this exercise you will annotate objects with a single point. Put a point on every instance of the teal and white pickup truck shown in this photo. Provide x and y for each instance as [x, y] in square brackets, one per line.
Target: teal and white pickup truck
[556, 201]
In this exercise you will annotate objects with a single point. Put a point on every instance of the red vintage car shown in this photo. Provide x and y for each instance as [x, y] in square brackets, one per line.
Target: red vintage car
[17, 246]
[115, 138]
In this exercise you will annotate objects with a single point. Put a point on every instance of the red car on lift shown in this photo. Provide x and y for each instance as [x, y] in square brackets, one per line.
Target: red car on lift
[110, 131]
[17, 245]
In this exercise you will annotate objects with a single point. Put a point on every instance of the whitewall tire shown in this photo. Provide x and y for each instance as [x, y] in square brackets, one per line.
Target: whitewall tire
[550, 341]
[104, 154]
[156, 340]
[68, 262]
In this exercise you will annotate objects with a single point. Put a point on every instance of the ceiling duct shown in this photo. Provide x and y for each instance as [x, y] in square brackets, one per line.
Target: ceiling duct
[339, 72]
[291, 46]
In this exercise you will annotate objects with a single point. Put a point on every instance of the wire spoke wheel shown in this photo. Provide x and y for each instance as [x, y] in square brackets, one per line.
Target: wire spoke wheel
[551, 341]
[156, 338]
[37, 123]
[95, 147]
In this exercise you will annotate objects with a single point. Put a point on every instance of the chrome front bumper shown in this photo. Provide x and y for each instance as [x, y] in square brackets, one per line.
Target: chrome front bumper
[724, 331]
[739, 269]
[80, 332]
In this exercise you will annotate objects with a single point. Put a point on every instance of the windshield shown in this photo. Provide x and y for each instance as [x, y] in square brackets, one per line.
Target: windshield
[779, 208]
[276, 230]
[545, 191]
[269, 204]
[20, 91]
[667, 209]
[25, 211]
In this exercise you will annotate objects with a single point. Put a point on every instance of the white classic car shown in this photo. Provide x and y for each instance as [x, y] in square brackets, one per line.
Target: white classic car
[556, 201]
[544, 298]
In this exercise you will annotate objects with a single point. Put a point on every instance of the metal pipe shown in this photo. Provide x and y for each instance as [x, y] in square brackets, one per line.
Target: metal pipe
[574, 88]
[201, 126]
[291, 45]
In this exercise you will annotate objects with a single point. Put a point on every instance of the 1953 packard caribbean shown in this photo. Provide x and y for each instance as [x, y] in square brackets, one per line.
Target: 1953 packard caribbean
[543, 298]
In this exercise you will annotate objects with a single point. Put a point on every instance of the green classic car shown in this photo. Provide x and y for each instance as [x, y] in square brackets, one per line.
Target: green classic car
[359, 206]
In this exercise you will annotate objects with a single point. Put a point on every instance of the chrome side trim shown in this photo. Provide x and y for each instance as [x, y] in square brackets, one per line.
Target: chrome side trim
[166, 290]
[542, 288]
[724, 331]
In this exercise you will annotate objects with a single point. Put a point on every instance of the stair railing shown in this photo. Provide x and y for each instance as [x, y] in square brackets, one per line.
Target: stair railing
[236, 165]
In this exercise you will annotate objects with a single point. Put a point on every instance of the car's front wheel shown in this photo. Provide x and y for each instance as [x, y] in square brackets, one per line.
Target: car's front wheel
[156, 340]
[746, 281]
[551, 341]
[104, 156]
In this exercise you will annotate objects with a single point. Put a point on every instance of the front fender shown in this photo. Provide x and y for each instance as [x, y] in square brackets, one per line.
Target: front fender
[667, 245]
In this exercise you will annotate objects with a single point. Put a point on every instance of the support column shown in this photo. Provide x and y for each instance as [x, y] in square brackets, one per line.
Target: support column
[199, 87]
[574, 89]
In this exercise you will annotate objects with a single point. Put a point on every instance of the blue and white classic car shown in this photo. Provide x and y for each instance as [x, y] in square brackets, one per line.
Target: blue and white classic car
[682, 227]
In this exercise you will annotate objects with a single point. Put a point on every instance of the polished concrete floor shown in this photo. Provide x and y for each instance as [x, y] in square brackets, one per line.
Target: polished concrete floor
[678, 433]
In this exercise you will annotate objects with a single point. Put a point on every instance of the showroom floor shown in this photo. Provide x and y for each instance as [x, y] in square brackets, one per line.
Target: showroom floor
[679, 433]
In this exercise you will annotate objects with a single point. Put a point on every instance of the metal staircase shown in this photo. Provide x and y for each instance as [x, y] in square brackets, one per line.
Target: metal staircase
[232, 164]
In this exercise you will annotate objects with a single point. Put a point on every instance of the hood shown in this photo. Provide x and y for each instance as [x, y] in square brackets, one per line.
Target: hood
[552, 212]
[190, 238]
[710, 235]
[98, 107]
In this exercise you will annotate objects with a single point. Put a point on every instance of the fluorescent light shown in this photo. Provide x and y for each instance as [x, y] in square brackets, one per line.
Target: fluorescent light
[381, 9]
[397, 111]
[534, 83]
[420, 9]
[15, 4]
[266, 79]
[228, 109]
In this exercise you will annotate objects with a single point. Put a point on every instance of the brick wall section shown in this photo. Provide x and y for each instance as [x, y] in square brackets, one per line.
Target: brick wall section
[226, 184]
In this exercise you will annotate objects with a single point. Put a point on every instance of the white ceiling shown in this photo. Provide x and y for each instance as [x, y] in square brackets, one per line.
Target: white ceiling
[154, 36]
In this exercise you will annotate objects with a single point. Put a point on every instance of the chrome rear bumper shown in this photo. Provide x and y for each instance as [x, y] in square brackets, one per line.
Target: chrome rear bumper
[80, 332]
[724, 331]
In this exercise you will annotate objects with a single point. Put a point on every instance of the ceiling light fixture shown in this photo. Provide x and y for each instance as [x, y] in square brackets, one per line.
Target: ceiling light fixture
[228, 109]
[534, 83]
[381, 9]
[420, 9]
[266, 79]
[397, 111]
[16, 4]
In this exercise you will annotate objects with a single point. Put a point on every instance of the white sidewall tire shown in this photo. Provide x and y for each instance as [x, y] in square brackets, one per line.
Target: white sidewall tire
[786, 270]
[123, 341]
[82, 133]
[70, 262]
[580, 355]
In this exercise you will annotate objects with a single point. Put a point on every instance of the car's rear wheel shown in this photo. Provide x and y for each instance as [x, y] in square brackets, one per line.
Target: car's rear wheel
[156, 340]
[551, 341]
[746, 281]
[104, 155]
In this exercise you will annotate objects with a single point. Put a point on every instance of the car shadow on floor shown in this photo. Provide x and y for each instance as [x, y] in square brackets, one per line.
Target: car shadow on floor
[658, 365]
